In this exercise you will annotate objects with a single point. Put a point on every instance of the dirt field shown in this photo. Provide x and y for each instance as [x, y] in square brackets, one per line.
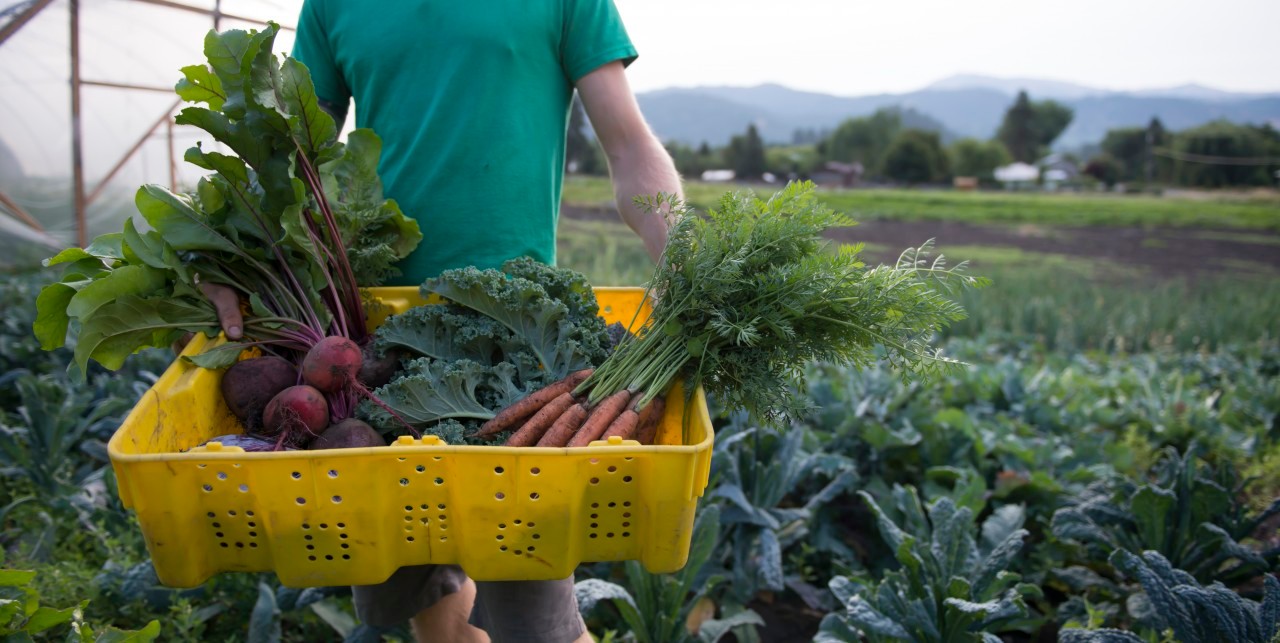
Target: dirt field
[1156, 251]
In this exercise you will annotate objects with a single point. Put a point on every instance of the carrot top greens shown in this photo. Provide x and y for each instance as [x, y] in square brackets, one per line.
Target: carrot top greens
[750, 293]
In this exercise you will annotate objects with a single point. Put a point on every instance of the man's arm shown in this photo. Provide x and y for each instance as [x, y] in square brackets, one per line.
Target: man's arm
[638, 164]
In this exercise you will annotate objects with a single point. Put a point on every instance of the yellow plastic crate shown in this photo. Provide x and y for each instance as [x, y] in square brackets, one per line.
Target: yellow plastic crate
[354, 516]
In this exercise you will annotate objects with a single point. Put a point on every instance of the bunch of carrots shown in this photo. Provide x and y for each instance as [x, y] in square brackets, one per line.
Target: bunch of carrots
[558, 415]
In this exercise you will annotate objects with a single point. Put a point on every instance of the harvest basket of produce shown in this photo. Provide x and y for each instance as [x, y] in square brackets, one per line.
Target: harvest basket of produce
[353, 516]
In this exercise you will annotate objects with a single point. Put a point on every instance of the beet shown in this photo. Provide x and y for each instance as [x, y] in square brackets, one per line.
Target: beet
[251, 443]
[377, 370]
[299, 411]
[249, 385]
[348, 434]
[332, 364]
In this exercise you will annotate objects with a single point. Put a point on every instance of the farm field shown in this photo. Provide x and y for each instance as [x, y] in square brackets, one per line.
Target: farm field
[1122, 396]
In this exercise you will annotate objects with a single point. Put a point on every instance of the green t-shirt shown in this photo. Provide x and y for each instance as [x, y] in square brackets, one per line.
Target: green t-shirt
[471, 100]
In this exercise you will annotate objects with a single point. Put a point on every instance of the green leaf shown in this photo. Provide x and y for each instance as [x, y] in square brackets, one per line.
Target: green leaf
[712, 630]
[67, 256]
[218, 357]
[46, 617]
[264, 621]
[122, 282]
[122, 327]
[341, 622]
[112, 635]
[15, 577]
[311, 126]
[52, 320]
[107, 246]
[200, 85]
[178, 222]
[430, 391]
[1151, 507]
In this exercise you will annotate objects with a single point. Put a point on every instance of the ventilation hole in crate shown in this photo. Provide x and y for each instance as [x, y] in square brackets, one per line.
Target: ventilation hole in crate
[297, 475]
[595, 481]
[440, 506]
[594, 525]
[345, 546]
[535, 471]
[425, 521]
[217, 525]
[224, 545]
[202, 465]
[253, 534]
[502, 525]
[420, 468]
[253, 524]
[502, 548]
[626, 504]
[333, 473]
[306, 526]
[443, 526]
[444, 538]
[443, 517]
[253, 545]
[534, 496]
[324, 525]
[311, 558]
[342, 525]
[595, 460]
[328, 556]
[222, 475]
[612, 505]
[595, 505]
[239, 545]
[626, 534]
[595, 515]
[401, 459]
[249, 513]
[608, 308]
[346, 557]
[612, 469]
[609, 535]
[408, 518]
[439, 480]
[626, 478]
[409, 507]
[404, 482]
[626, 514]
[499, 495]
[218, 534]
[436, 458]
[231, 512]
[530, 523]
[516, 521]
[626, 524]
[210, 514]
[517, 552]
[408, 539]
[537, 536]
[628, 458]
[593, 535]
[300, 500]
[207, 487]
[529, 548]
[425, 506]
[244, 488]
[342, 536]
[499, 536]
[337, 499]
[307, 537]
[236, 465]
[498, 470]
[408, 527]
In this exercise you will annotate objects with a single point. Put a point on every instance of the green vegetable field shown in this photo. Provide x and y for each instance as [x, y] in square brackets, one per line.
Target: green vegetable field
[1106, 468]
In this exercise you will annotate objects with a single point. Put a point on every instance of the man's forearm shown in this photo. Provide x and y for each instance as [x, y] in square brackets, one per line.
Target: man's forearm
[645, 170]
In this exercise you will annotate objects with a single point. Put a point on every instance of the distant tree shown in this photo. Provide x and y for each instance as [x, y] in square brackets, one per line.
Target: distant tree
[1128, 147]
[972, 157]
[745, 154]
[1030, 127]
[1105, 168]
[704, 150]
[915, 156]
[1206, 151]
[581, 152]
[690, 162]
[863, 140]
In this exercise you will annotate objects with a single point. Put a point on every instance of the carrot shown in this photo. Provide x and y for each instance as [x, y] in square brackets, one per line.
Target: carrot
[531, 403]
[650, 419]
[605, 413]
[623, 427]
[536, 426]
[560, 432]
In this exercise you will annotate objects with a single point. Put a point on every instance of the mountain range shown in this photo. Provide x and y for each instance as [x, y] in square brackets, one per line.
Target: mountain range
[966, 105]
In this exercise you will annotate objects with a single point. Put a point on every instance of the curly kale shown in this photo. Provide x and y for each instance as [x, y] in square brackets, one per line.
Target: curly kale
[499, 336]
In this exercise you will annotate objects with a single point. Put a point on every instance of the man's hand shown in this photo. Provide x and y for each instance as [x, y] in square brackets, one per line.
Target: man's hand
[227, 303]
[638, 163]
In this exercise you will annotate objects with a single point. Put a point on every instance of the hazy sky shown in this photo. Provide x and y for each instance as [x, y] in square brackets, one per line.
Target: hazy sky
[855, 47]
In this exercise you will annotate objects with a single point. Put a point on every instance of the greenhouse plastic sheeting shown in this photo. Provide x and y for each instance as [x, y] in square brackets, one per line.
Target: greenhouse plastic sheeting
[121, 41]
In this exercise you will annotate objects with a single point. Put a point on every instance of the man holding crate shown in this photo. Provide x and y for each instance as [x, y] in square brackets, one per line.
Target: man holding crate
[471, 101]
